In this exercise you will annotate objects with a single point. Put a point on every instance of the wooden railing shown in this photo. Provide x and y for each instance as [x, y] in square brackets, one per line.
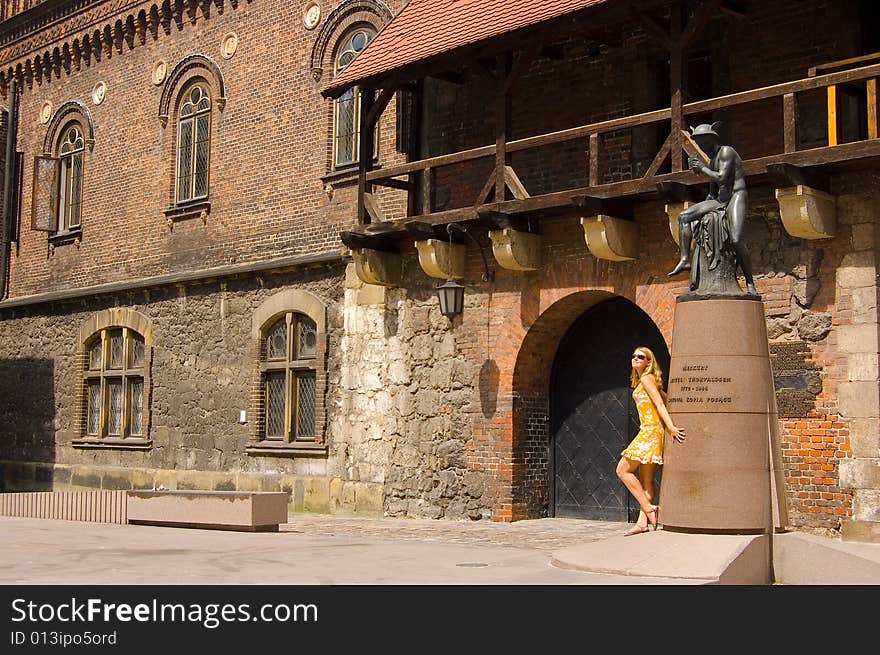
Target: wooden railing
[787, 92]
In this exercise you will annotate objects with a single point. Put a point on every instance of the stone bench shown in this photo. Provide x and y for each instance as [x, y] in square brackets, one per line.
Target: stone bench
[257, 511]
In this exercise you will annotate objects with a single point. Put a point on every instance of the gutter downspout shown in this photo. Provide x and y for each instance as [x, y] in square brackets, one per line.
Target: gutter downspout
[8, 180]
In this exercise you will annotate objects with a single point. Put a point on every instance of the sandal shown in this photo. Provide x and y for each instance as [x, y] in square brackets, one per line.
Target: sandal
[655, 510]
[636, 529]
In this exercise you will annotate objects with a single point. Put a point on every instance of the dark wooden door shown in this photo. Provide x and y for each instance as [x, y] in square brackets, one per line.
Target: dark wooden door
[592, 414]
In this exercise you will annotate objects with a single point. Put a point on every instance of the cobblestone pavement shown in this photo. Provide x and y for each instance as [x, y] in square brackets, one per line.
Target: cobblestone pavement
[542, 534]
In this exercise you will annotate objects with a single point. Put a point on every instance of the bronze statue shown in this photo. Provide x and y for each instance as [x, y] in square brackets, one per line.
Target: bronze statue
[716, 223]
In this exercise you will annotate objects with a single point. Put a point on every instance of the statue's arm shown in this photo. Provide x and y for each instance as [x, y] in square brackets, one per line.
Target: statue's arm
[726, 167]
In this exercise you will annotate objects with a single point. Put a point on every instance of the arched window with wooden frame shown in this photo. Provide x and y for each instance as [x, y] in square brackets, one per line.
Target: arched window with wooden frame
[193, 143]
[59, 173]
[70, 178]
[346, 108]
[289, 379]
[115, 382]
[289, 383]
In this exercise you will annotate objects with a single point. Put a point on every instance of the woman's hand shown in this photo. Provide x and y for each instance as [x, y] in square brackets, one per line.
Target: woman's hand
[677, 434]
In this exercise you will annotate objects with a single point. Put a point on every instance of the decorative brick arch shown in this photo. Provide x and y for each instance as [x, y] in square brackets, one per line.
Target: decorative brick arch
[72, 110]
[349, 13]
[514, 436]
[190, 67]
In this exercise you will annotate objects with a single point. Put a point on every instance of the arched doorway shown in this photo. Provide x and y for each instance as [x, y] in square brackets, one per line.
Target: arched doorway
[592, 415]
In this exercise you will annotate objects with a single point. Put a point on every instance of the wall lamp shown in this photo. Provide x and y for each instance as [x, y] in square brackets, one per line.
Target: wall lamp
[451, 293]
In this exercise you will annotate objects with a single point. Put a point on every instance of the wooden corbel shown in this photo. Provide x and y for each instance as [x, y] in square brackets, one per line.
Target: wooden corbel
[382, 268]
[441, 259]
[611, 238]
[807, 213]
[515, 250]
[806, 207]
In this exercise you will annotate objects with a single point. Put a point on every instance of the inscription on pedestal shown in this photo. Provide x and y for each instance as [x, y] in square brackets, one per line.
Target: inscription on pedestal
[696, 384]
[715, 383]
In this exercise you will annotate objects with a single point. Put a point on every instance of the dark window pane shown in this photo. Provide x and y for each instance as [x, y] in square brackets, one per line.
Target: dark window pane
[116, 350]
[136, 403]
[94, 408]
[95, 355]
[136, 358]
[307, 338]
[305, 407]
[184, 161]
[114, 410]
[275, 395]
[276, 341]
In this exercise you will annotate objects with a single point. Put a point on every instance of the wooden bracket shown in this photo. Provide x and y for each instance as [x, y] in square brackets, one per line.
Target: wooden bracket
[807, 213]
[440, 259]
[378, 267]
[516, 251]
[611, 238]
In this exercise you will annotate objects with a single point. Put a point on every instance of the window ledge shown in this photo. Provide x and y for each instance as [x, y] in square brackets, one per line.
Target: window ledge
[197, 209]
[286, 448]
[65, 238]
[113, 443]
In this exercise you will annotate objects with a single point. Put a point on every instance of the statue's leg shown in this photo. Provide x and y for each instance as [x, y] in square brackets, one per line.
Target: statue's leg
[736, 214]
[686, 231]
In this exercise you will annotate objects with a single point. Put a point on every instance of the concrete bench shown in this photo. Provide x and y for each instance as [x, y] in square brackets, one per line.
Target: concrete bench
[257, 511]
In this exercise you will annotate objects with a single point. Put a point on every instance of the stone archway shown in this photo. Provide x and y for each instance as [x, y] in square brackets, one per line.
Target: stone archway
[592, 415]
[535, 409]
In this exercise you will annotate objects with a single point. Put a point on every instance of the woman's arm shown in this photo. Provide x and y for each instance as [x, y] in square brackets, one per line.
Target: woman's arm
[650, 385]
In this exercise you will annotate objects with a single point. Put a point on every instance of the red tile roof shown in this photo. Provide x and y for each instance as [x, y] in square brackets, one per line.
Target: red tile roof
[426, 28]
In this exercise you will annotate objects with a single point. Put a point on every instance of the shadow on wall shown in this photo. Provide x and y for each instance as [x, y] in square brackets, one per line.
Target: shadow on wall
[27, 412]
[489, 387]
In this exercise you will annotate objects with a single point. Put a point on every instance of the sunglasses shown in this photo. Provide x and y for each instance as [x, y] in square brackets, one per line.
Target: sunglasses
[639, 356]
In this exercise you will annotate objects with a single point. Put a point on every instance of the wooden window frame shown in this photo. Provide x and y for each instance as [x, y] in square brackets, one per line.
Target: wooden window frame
[65, 161]
[294, 367]
[192, 119]
[104, 376]
[355, 100]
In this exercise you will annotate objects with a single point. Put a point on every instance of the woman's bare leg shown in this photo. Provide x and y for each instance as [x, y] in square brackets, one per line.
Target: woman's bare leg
[626, 469]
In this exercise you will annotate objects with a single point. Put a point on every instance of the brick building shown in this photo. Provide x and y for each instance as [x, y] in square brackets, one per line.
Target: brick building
[225, 227]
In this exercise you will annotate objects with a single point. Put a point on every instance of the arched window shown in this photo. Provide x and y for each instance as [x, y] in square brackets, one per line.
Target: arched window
[115, 369]
[70, 165]
[288, 374]
[193, 143]
[346, 109]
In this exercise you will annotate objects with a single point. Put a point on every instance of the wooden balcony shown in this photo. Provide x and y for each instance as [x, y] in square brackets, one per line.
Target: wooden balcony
[504, 199]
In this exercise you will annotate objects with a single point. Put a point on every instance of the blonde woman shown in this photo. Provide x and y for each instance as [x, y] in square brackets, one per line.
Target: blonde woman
[645, 451]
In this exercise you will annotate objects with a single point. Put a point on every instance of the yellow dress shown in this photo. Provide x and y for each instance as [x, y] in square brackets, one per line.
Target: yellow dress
[647, 446]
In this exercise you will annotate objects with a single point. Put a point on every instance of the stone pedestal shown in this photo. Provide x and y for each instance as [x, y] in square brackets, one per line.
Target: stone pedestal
[726, 476]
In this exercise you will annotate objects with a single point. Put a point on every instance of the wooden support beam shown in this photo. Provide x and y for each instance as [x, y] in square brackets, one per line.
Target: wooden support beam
[379, 106]
[692, 149]
[832, 115]
[659, 159]
[594, 159]
[427, 189]
[502, 127]
[872, 108]
[395, 184]
[372, 207]
[365, 154]
[512, 182]
[789, 122]
[676, 66]
[698, 23]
